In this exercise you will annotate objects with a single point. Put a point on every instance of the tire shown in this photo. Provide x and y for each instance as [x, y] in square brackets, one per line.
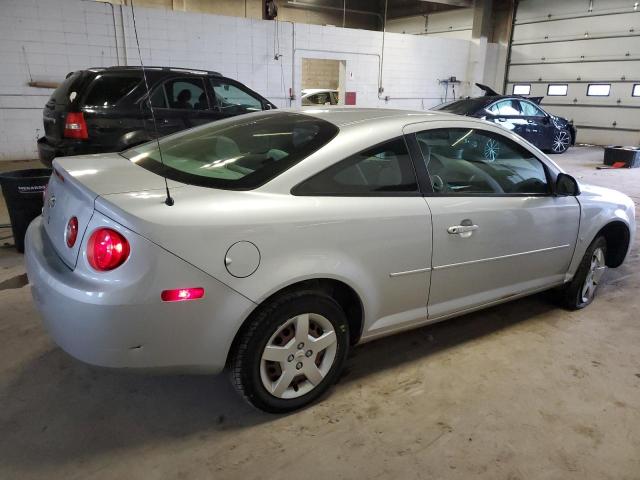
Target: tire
[561, 141]
[285, 376]
[581, 291]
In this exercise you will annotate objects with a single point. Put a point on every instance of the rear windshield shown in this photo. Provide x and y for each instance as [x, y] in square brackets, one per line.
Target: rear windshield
[241, 155]
[61, 95]
[106, 90]
[463, 107]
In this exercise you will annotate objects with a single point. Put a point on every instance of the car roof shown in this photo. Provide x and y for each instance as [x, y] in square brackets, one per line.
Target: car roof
[342, 116]
[153, 68]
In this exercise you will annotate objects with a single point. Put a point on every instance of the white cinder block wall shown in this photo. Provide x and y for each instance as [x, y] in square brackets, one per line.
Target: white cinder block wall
[43, 41]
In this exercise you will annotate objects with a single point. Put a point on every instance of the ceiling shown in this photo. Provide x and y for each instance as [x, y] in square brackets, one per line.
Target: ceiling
[395, 8]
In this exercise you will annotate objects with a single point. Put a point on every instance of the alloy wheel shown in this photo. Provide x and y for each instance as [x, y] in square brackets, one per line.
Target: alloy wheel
[561, 141]
[491, 150]
[594, 275]
[298, 356]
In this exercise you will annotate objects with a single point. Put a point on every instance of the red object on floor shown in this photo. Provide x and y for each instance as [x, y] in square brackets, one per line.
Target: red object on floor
[619, 165]
[350, 98]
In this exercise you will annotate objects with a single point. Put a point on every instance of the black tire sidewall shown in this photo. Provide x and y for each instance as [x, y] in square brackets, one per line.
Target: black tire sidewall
[269, 322]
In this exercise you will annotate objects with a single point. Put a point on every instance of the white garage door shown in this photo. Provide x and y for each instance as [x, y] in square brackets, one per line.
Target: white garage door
[583, 56]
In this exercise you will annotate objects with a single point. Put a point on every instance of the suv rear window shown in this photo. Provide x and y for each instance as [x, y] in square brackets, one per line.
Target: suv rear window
[240, 154]
[61, 94]
[106, 90]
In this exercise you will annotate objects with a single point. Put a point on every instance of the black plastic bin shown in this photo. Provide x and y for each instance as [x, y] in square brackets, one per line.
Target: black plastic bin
[22, 190]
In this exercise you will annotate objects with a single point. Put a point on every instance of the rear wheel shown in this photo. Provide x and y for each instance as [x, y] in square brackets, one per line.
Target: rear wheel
[581, 291]
[291, 352]
[561, 141]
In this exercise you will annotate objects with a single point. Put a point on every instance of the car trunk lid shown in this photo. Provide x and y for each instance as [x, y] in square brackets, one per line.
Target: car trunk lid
[63, 100]
[77, 182]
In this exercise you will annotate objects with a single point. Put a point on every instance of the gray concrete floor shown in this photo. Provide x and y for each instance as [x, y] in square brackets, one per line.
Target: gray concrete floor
[520, 391]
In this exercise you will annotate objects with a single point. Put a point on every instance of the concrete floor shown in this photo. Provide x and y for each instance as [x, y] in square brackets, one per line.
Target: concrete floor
[520, 391]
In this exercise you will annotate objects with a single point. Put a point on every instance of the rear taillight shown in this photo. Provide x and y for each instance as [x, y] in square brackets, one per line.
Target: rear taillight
[107, 249]
[75, 126]
[72, 232]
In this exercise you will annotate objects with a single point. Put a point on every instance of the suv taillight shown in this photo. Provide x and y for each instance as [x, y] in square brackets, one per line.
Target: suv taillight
[75, 126]
[107, 249]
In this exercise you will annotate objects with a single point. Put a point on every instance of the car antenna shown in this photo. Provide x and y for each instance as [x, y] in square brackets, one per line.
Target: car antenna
[169, 200]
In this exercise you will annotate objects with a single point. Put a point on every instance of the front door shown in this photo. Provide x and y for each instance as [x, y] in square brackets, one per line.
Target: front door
[497, 229]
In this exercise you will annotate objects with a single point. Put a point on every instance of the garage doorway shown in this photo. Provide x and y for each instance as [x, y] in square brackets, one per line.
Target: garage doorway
[322, 82]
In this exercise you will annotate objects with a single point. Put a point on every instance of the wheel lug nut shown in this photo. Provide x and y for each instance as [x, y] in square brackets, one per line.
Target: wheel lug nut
[299, 365]
[290, 358]
[300, 346]
[309, 353]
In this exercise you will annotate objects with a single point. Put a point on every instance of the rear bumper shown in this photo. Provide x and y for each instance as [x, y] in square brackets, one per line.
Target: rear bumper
[124, 324]
[47, 151]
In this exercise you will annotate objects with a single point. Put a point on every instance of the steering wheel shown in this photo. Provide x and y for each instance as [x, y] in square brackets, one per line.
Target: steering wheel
[482, 175]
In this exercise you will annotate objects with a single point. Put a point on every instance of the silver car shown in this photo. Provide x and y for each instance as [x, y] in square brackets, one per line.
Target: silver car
[284, 238]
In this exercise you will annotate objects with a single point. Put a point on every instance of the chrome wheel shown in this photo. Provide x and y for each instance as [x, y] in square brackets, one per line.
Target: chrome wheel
[491, 150]
[594, 275]
[561, 141]
[298, 356]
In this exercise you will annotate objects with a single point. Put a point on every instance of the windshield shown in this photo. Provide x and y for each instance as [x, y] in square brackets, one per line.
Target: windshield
[241, 155]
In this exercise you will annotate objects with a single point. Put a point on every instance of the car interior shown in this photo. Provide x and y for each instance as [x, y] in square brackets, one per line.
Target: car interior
[467, 161]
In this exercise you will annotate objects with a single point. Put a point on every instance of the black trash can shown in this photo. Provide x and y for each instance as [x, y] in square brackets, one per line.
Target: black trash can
[22, 190]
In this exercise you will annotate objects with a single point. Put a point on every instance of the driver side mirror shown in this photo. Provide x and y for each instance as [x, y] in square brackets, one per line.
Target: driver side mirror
[566, 185]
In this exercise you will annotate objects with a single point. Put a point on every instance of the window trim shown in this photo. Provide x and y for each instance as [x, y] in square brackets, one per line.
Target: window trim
[513, 89]
[633, 89]
[417, 193]
[598, 84]
[566, 92]
[550, 180]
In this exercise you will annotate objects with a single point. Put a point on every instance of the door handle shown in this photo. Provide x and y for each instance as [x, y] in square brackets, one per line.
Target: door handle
[464, 231]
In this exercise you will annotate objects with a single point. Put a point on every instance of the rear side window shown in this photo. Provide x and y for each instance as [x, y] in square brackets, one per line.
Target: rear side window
[382, 170]
[238, 154]
[61, 95]
[107, 90]
[182, 94]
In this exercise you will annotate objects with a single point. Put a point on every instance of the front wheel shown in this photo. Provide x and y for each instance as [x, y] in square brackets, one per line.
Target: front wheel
[291, 352]
[561, 141]
[581, 291]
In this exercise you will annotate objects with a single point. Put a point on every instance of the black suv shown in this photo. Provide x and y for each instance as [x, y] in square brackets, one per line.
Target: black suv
[108, 109]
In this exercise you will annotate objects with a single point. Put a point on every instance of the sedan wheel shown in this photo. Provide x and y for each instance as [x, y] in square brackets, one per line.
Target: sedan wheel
[298, 356]
[581, 290]
[491, 150]
[561, 141]
[291, 351]
[596, 271]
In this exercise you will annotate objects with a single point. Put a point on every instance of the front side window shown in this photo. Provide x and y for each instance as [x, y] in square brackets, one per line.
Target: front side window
[238, 155]
[232, 99]
[530, 110]
[506, 107]
[463, 161]
[382, 170]
[181, 94]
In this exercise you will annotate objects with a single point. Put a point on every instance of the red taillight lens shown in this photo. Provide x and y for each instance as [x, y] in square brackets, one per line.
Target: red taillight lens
[72, 232]
[75, 126]
[181, 294]
[107, 249]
